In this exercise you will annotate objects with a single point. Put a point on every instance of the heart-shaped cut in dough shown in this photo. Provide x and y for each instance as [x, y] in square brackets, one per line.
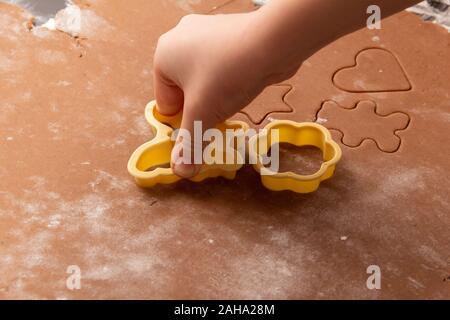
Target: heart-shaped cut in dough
[375, 70]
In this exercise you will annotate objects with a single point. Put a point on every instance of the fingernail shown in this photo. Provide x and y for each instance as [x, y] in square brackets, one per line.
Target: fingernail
[184, 170]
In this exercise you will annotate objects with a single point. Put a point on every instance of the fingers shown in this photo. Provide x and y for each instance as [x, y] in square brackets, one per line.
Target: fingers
[187, 155]
[169, 96]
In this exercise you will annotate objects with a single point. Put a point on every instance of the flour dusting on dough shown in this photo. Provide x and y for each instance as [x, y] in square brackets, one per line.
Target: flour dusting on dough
[405, 181]
[321, 120]
[186, 5]
[9, 28]
[51, 57]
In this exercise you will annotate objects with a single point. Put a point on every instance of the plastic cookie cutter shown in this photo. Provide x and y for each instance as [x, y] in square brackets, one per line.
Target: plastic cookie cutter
[147, 163]
[298, 134]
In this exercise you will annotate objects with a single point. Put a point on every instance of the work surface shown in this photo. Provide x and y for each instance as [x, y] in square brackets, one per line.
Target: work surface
[71, 113]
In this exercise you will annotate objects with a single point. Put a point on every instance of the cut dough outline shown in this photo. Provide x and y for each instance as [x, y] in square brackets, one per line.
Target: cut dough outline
[283, 100]
[354, 106]
[372, 91]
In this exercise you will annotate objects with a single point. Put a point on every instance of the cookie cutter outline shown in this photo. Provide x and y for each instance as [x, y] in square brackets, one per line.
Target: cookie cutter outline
[158, 151]
[298, 134]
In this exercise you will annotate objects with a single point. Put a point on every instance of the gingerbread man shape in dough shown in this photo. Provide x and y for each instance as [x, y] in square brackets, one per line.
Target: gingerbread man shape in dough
[363, 122]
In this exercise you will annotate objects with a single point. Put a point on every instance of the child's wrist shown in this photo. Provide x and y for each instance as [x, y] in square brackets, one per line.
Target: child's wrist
[279, 47]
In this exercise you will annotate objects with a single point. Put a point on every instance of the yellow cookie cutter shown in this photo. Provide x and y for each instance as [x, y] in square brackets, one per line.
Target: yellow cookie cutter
[298, 134]
[145, 163]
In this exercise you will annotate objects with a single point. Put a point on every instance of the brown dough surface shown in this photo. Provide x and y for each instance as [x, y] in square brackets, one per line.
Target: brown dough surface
[71, 113]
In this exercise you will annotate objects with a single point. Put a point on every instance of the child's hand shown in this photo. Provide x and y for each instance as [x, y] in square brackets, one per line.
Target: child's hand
[211, 66]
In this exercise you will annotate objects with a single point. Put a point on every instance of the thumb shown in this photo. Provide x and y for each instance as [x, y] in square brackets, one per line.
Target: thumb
[187, 155]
